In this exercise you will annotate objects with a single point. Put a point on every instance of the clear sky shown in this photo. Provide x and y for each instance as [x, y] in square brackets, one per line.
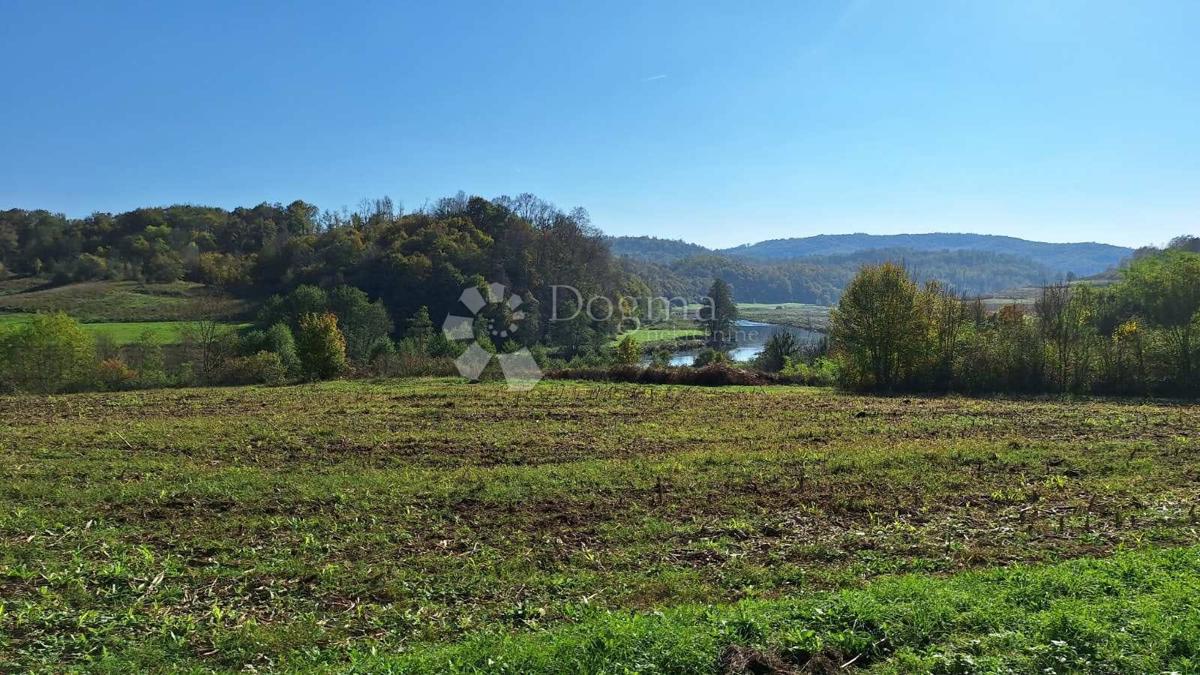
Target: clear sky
[1055, 120]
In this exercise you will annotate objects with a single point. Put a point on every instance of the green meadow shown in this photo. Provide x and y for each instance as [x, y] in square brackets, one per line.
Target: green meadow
[122, 333]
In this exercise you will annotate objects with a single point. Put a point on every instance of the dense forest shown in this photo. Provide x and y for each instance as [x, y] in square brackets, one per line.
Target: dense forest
[406, 260]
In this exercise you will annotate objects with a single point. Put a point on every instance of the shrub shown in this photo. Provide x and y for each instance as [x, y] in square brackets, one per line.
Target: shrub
[114, 375]
[628, 351]
[821, 372]
[260, 368]
[780, 348]
[280, 341]
[708, 357]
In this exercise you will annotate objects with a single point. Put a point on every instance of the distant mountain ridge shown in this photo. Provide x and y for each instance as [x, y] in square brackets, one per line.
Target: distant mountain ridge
[816, 269]
[1080, 259]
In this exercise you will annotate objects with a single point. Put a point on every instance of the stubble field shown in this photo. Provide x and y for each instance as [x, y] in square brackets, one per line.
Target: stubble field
[433, 525]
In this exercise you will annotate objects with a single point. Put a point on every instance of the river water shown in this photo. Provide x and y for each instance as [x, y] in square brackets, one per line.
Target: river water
[752, 337]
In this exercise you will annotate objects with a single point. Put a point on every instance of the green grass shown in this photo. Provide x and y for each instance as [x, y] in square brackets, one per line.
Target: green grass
[649, 336]
[796, 314]
[121, 301]
[408, 524]
[1136, 612]
[800, 315]
[124, 333]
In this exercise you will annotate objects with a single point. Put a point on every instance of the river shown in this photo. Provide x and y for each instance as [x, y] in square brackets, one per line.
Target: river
[752, 337]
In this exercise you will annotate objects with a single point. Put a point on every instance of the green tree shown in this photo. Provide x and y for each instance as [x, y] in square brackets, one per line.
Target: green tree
[146, 357]
[290, 308]
[572, 330]
[321, 346]
[420, 328]
[280, 341]
[876, 327]
[718, 313]
[362, 322]
[50, 353]
[780, 348]
[628, 351]
[1166, 287]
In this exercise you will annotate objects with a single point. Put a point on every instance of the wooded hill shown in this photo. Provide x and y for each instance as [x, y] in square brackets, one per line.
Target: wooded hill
[816, 269]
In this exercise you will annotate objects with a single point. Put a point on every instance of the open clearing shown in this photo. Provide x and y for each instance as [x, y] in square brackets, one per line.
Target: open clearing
[120, 301]
[432, 525]
[649, 336]
[124, 333]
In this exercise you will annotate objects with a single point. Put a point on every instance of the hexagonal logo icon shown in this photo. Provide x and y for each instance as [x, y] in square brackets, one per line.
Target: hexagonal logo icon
[521, 371]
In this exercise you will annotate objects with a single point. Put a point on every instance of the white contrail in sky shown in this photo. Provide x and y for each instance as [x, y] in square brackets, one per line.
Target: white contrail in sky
[653, 78]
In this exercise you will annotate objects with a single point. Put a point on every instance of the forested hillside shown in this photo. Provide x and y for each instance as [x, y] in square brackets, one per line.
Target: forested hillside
[1081, 259]
[820, 279]
[815, 269]
[654, 249]
[408, 260]
[425, 258]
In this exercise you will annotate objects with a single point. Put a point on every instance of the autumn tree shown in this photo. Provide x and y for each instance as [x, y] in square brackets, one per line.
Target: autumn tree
[321, 346]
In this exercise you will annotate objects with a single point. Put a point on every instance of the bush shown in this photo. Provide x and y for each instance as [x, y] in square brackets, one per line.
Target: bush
[628, 351]
[781, 347]
[708, 357]
[146, 356]
[114, 375]
[280, 341]
[821, 372]
[261, 368]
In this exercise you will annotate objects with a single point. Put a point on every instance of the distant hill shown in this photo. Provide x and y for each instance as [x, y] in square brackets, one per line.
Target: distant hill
[1082, 259]
[654, 249]
[819, 280]
[815, 269]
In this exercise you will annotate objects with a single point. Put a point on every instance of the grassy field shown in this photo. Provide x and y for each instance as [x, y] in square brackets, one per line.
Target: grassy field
[120, 301]
[650, 336]
[797, 314]
[122, 333]
[436, 526]
[800, 315]
[1026, 296]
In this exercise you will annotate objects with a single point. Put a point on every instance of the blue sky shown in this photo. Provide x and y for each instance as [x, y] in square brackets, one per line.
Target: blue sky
[720, 123]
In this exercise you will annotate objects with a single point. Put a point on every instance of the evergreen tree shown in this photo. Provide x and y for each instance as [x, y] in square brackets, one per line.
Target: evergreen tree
[718, 313]
[420, 328]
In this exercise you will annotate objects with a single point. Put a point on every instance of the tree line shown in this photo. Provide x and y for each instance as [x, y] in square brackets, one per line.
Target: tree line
[405, 260]
[1139, 335]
